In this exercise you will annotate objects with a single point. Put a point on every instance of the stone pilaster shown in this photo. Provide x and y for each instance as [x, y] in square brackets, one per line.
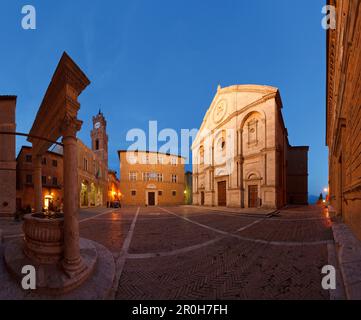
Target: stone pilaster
[7, 156]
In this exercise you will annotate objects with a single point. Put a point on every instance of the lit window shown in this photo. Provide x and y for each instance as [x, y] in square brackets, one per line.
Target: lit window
[132, 176]
[153, 176]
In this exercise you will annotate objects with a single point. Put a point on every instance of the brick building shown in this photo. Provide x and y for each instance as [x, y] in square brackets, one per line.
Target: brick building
[151, 178]
[343, 114]
[52, 179]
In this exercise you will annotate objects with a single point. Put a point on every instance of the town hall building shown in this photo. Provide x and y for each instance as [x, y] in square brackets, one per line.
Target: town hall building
[242, 156]
[93, 174]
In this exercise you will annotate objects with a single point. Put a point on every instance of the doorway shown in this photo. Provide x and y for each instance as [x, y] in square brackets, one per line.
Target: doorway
[202, 198]
[48, 203]
[253, 196]
[222, 194]
[151, 198]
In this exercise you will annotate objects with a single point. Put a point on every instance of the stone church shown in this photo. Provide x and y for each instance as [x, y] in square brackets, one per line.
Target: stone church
[242, 156]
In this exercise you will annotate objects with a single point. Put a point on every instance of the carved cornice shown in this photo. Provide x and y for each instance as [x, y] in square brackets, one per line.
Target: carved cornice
[331, 58]
[70, 126]
[60, 101]
[354, 190]
[336, 146]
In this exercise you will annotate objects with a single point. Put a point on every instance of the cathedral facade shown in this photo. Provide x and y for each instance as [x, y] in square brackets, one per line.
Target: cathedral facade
[242, 156]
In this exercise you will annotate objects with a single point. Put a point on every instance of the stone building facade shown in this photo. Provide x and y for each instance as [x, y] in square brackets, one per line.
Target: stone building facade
[343, 114]
[52, 179]
[7, 156]
[151, 178]
[242, 156]
[93, 178]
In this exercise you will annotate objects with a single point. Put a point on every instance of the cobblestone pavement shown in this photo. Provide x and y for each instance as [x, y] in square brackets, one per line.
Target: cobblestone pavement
[200, 253]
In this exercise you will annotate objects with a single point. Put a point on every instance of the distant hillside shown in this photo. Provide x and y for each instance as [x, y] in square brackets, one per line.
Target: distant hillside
[312, 199]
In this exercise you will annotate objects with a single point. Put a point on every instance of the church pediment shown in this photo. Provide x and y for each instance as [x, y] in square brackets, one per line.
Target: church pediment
[231, 100]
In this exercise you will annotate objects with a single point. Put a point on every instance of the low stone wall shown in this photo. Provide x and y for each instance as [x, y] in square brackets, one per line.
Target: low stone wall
[348, 249]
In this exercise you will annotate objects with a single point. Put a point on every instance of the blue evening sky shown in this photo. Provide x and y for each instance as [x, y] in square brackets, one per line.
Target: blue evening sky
[163, 59]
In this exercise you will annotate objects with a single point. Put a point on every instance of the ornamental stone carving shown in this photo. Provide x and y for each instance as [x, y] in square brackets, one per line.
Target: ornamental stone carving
[220, 111]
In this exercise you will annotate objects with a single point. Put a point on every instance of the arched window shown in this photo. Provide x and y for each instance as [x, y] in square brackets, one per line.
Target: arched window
[220, 147]
[201, 155]
[222, 144]
[253, 130]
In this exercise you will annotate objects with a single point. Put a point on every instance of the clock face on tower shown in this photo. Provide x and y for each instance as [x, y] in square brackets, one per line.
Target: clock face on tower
[97, 125]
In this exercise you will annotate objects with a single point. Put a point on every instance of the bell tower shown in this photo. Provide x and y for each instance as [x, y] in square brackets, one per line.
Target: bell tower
[99, 137]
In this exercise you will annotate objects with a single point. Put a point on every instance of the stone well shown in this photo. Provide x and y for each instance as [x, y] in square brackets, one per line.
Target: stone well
[62, 260]
[44, 237]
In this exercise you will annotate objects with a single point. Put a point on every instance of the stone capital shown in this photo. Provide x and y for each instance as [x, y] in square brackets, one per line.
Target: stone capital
[70, 126]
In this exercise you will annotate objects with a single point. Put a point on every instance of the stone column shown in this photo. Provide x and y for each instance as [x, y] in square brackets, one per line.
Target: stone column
[72, 263]
[38, 188]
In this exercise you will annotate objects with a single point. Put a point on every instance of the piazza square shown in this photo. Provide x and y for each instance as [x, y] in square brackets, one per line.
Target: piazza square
[189, 172]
